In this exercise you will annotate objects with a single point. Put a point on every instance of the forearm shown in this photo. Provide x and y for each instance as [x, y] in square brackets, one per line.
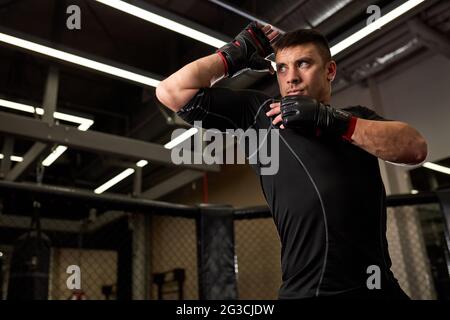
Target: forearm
[390, 140]
[176, 91]
[247, 50]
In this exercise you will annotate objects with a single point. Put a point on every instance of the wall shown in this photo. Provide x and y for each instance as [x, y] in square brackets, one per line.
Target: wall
[419, 96]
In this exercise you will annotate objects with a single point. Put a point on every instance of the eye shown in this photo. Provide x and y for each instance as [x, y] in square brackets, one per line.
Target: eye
[303, 64]
[281, 68]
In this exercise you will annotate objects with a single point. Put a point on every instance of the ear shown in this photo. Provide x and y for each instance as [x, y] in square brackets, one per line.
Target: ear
[331, 70]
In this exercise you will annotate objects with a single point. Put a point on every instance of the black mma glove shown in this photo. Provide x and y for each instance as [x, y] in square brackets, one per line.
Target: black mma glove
[312, 117]
[247, 50]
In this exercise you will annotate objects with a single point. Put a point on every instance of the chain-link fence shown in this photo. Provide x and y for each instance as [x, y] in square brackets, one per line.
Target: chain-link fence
[258, 250]
[122, 255]
[416, 245]
[174, 246]
[116, 255]
[418, 251]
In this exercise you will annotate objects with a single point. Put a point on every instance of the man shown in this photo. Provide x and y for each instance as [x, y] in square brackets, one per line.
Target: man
[327, 199]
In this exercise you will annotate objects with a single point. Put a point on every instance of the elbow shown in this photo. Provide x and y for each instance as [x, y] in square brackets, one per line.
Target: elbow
[164, 96]
[420, 152]
[417, 147]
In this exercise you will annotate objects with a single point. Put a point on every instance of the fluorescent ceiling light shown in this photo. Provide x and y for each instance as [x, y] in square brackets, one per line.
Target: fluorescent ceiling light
[16, 106]
[85, 125]
[114, 181]
[163, 22]
[59, 150]
[16, 158]
[383, 20]
[72, 58]
[142, 163]
[119, 177]
[436, 167]
[185, 135]
[83, 122]
[13, 158]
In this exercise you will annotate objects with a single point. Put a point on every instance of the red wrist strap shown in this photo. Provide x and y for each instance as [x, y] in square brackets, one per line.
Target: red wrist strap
[351, 128]
[224, 62]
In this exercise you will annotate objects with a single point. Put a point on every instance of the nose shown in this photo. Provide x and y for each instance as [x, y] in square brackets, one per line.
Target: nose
[293, 76]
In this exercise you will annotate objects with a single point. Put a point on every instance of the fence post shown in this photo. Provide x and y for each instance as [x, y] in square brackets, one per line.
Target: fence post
[216, 256]
[444, 201]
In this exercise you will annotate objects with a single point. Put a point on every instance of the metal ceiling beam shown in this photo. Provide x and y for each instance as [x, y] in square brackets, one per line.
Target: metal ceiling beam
[431, 38]
[118, 163]
[104, 201]
[28, 159]
[49, 105]
[93, 141]
[50, 94]
[243, 13]
[8, 147]
[293, 7]
[172, 184]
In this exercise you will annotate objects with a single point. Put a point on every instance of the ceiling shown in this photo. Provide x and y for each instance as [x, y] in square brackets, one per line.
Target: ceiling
[131, 110]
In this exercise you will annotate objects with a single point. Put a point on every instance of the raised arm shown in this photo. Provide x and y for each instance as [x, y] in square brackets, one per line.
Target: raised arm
[247, 50]
[392, 141]
[175, 91]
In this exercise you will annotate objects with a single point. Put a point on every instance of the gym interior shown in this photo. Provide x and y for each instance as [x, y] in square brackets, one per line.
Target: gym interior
[92, 205]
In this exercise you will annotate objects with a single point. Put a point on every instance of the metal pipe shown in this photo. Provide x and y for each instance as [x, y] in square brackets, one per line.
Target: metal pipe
[243, 14]
[109, 201]
[120, 202]
[397, 200]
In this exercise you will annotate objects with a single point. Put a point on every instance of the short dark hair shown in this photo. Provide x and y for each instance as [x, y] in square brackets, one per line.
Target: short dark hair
[302, 36]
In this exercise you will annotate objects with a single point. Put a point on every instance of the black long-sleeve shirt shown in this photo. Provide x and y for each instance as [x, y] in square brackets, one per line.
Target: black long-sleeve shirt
[327, 198]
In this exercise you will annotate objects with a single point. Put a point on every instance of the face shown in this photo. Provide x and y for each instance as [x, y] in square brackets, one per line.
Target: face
[302, 71]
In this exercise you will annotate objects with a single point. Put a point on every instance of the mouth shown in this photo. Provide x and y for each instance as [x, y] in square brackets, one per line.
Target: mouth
[295, 92]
